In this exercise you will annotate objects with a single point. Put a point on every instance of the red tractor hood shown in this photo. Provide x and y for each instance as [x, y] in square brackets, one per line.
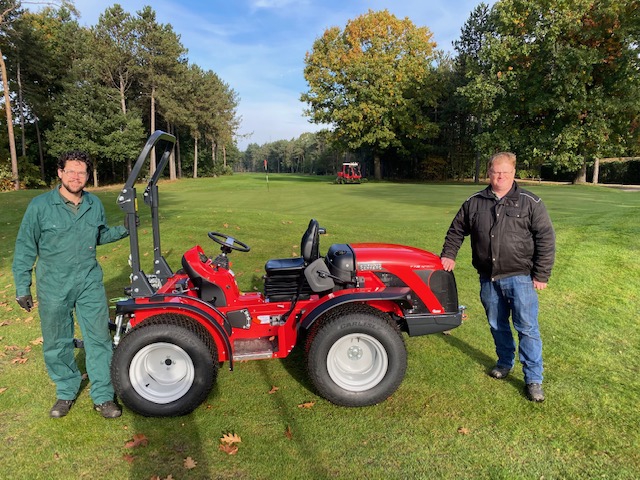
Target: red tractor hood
[370, 255]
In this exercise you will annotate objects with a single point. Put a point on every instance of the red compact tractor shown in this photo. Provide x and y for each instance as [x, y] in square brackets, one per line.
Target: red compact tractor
[347, 309]
[350, 173]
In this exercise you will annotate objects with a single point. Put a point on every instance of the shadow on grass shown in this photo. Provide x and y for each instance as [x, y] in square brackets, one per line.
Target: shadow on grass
[175, 446]
[305, 444]
[483, 360]
[295, 365]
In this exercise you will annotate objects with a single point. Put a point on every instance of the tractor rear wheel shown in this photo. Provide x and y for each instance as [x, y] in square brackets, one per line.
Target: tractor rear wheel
[166, 366]
[356, 356]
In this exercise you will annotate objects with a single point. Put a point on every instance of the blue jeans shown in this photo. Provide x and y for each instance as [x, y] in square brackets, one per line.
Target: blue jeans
[517, 297]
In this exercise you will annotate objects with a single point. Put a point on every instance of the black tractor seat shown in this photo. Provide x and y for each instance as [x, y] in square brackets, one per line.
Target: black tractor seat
[284, 277]
[288, 265]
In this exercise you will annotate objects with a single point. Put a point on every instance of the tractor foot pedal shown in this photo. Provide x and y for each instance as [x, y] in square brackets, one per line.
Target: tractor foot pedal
[77, 343]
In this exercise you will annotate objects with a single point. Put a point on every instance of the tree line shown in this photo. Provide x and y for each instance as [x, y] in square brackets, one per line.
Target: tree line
[557, 82]
[103, 89]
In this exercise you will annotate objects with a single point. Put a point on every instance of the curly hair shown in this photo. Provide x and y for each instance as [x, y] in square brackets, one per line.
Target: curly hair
[78, 156]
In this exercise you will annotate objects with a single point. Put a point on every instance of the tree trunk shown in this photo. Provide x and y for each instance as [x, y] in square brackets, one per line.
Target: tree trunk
[21, 111]
[178, 154]
[172, 159]
[596, 171]
[581, 175]
[476, 178]
[7, 107]
[213, 156]
[152, 167]
[377, 170]
[40, 151]
[95, 174]
[123, 99]
[195, 158]
[123, 107]
[224, 156]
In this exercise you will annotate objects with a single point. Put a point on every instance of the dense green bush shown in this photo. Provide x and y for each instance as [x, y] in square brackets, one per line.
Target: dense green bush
[620, 172]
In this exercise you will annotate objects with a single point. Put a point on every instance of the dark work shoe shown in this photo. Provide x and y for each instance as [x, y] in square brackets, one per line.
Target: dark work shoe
[60, 408]
[499, 372]
[108, 409]
[535, 392]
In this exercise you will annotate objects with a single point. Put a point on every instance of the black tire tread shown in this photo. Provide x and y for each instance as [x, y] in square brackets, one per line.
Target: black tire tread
[339, 396]
[118, 372]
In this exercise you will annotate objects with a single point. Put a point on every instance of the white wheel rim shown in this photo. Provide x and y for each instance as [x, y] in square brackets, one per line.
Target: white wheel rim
[161, 372]
[357, 362]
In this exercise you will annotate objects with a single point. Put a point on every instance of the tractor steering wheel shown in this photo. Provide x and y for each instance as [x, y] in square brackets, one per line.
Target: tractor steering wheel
[228, 242]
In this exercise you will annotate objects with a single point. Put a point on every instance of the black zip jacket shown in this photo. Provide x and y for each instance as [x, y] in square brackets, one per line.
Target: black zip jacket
[509, 236]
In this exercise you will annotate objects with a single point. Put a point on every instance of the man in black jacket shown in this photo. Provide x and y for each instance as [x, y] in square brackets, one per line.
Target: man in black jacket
[513, 250]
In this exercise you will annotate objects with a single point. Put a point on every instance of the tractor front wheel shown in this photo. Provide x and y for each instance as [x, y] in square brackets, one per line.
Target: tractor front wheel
[356, 357]
[165, 366]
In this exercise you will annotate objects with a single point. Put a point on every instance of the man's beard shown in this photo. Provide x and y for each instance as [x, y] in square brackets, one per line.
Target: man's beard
[75, 188]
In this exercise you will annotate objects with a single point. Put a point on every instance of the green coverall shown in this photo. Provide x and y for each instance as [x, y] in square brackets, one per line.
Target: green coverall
[68, 277]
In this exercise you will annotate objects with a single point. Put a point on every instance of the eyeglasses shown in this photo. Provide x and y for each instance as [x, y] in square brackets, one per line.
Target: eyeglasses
[73, 173]
[497, 174]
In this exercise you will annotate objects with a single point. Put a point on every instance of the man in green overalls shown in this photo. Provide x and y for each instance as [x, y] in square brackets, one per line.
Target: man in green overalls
[61, 229]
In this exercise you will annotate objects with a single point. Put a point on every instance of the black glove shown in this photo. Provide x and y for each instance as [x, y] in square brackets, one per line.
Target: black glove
[25, 301]
[126, 221]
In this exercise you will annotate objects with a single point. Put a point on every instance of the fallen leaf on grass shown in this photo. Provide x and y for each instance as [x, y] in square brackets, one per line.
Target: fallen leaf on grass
[139, 440]
[190, 463]
[11, 348]
[273, 390]
[128, 458]
[228, 443]
[4, 324]
[288, 433]
[2, 390]
[228, 449]
[464, 431]
[230, 438]
[37, 341]
[19, 361]
[306, 405]
[28, 319]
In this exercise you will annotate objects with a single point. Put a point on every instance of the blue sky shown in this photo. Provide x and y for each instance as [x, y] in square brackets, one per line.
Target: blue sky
[257, 46]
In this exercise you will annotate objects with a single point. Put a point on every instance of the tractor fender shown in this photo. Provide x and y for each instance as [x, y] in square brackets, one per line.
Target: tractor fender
[388, 294]
[198, 314]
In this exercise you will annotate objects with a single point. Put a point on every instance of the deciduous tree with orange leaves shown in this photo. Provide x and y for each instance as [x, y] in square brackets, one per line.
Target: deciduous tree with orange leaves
[370, 82]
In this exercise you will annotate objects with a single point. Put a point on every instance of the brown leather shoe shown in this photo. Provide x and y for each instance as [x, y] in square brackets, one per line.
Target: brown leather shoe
[60, 408]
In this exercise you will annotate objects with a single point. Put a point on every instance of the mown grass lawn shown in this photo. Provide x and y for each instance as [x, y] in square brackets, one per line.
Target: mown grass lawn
[447, 420]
